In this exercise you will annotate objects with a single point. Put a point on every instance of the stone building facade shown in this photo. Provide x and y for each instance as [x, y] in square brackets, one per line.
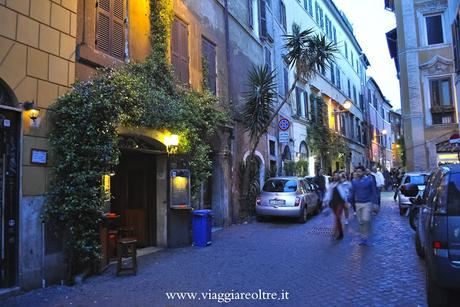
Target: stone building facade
[424, 55]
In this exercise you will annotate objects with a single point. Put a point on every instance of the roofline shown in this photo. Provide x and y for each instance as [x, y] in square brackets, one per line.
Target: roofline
[370, 79]
[345, 23]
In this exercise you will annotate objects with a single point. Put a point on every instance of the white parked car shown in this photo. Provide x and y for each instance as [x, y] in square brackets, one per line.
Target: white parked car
[417, 178]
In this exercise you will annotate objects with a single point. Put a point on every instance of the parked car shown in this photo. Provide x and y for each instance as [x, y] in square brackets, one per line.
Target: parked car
[287, 196]
[437, 238]
[417, 178]
[311, 181]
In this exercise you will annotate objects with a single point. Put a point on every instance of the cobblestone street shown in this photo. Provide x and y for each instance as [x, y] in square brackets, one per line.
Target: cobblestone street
[274, 256]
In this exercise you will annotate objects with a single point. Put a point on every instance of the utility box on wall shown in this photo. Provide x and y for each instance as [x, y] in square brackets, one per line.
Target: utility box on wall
[179, 189]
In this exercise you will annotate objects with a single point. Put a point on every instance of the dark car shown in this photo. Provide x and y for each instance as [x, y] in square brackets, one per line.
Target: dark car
[437, 238]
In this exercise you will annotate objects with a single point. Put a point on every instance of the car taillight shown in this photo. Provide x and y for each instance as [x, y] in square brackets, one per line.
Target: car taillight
[439, 245]
[297, 201]
[258, 199]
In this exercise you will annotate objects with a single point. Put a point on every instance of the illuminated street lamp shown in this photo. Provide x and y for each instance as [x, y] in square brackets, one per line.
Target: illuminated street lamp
[171, 142]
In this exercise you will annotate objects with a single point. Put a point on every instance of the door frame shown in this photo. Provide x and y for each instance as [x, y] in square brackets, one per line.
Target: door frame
[20, 178]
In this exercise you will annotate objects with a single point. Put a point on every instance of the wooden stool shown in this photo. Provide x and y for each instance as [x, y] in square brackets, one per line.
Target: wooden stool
[126, 248]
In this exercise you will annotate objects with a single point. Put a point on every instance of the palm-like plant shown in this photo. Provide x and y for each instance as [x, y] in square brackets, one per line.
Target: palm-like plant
[308, 54]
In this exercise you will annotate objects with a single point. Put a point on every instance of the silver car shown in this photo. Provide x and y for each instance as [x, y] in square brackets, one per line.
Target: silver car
[287, 196]
[417, 178]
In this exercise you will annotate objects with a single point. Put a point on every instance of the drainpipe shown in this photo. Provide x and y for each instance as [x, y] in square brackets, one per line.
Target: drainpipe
[229, 94]
[43, 256]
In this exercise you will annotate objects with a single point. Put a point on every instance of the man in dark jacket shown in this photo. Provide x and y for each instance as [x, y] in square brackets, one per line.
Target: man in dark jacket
[320, 181]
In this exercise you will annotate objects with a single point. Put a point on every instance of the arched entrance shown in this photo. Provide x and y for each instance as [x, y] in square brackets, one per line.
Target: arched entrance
[10, 127]
[134, 186]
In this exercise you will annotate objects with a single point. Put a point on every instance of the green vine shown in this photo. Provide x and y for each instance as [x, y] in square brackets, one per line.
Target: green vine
[323, 141]
[84, 138]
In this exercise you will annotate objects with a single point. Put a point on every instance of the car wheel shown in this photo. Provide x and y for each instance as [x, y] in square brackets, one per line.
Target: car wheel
[436, 296]
[303, 215]
[418, 246]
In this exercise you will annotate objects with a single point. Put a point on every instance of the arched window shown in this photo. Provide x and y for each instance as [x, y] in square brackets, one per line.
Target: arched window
[286, 153]
[303, 151]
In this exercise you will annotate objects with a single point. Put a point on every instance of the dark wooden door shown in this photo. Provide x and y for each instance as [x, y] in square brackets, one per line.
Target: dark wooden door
[134, 193]
[9, 196]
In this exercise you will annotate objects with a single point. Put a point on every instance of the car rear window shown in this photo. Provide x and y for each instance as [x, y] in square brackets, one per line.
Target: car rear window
[419, 180]
[453, 203]
[280, 185]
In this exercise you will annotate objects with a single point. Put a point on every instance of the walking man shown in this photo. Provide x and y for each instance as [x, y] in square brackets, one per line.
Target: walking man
[363, 195]
[379, 182]
[320, 181]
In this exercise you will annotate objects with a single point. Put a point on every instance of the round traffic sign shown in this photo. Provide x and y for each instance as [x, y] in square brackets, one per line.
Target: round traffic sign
[284, 124]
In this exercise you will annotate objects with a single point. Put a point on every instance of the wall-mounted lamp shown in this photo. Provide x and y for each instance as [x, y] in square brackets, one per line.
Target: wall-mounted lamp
[346, 105]
[32, 111]
[171, 142]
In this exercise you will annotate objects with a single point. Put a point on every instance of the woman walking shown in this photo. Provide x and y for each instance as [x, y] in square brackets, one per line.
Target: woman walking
[336, 198]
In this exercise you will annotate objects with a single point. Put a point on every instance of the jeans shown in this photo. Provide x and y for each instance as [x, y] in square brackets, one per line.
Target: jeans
[363, 213]
[379, 198]
[338, 209]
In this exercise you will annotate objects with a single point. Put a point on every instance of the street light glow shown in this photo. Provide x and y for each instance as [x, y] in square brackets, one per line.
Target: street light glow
[347, 104]
[384, 132]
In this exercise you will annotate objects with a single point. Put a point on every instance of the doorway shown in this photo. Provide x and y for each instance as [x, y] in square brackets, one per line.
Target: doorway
[134, 195]
[9, 195]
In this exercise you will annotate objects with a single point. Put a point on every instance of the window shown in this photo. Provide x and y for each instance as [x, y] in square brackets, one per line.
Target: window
[326, 18]
[337, 71]
[272, 147]
[307, 4]
[334, 34]
[286, 81]
[375, 101]
[434, 29]
[268, 58]
[332, 69]
[349, 88]
[351, 54]
[442, 109]
[305, 100]
[352, 126]
[361, 101]
[251, 14]
[346, 50]
[358, 129]
[456, 42]
[208, 50]
[110, 30]
[263, 19]
[317, 12]
[354, 95]
[321, 20]
[298, 99]
[179, 50]
[283, 15]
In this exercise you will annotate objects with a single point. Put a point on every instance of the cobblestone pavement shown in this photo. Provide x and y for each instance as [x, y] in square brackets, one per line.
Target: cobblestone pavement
[277, 255]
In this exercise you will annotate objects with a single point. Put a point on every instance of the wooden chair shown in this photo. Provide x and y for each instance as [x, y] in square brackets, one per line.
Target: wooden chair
[126, 248]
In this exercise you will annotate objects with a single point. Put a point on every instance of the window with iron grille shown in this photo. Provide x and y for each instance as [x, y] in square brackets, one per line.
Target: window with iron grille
[208, 52]
[110, 30]
[179, 50]
[442, 108]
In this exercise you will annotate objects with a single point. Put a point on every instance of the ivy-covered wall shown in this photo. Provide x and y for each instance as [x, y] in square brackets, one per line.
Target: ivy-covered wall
[84, 135]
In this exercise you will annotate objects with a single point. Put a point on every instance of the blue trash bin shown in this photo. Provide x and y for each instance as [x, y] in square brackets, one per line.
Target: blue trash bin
[201, 227]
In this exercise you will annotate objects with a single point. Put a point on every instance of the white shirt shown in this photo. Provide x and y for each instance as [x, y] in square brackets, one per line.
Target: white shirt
[379, 179]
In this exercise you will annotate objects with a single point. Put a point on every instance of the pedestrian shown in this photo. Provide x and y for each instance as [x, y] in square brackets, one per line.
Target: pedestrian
[364, 195]
[379, 182]
[399, 177]
[347, 187]
[320, 181]
[386, 176]
[336, 198]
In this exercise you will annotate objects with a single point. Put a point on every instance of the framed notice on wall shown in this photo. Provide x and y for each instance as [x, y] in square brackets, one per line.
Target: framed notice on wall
[38, 156]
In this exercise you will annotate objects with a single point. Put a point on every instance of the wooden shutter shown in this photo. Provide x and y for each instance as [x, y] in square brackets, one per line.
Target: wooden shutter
[179, 50]
[110, 36]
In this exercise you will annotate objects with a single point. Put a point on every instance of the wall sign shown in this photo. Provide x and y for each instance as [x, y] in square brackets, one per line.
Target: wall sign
[38, 156]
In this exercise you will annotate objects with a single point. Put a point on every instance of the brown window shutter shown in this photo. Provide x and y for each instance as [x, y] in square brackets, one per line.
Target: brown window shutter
[118, 35]
[175, 48]
[184, 53]
[110, 27]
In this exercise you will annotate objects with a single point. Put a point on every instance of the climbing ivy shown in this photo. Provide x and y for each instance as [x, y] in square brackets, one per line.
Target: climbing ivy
[84, 137]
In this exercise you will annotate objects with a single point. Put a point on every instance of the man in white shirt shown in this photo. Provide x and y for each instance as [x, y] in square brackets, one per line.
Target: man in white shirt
[380, 182]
